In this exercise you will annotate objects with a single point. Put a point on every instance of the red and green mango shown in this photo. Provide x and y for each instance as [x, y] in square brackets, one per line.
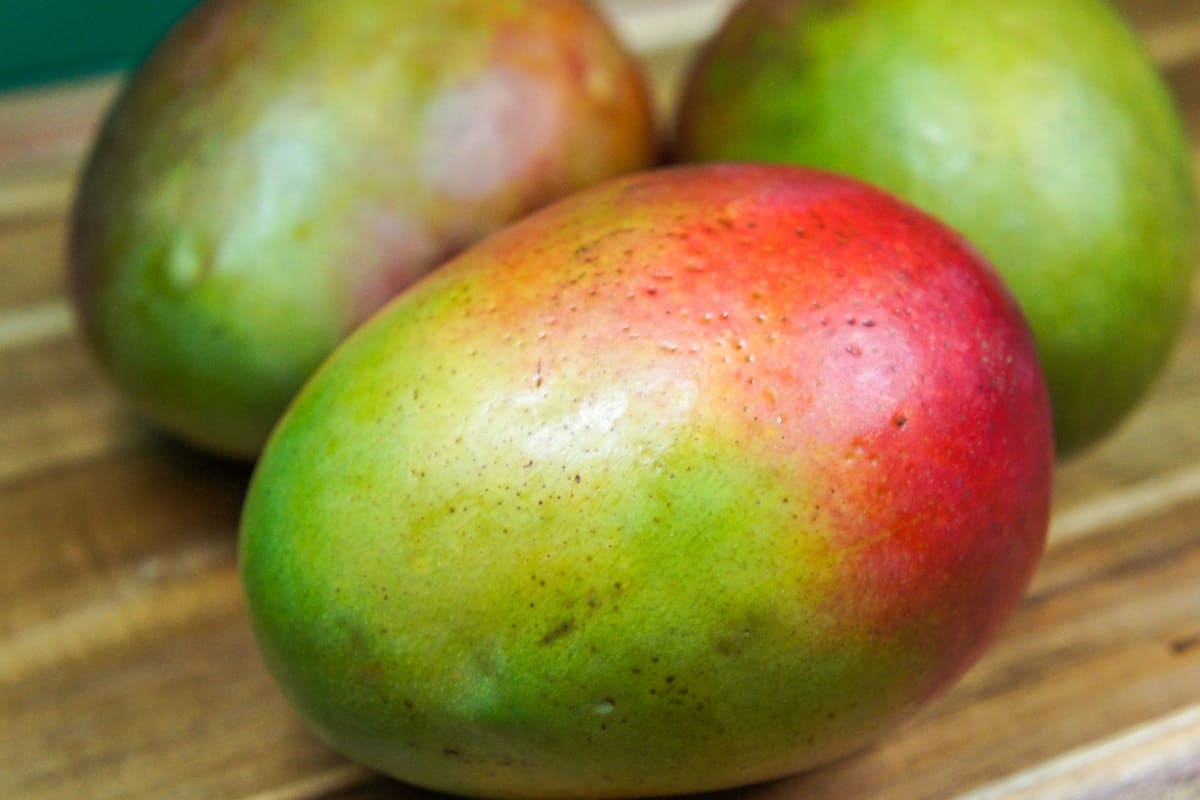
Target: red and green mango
[697, 478]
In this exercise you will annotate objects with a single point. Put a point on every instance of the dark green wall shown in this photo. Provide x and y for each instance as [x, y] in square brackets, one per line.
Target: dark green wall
[49, 40]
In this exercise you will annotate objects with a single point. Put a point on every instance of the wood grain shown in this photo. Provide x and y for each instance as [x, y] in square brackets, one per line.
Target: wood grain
[128, 668]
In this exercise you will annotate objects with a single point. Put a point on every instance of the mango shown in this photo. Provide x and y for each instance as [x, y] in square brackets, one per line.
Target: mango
[1040, 130]
[694, 479]
[275, 171]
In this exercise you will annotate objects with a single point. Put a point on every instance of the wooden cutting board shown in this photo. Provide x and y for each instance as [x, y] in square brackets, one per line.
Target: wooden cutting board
[127, 666]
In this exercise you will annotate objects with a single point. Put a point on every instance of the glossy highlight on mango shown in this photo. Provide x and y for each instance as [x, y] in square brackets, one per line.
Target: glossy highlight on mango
[1039, 130]
[276, 171]
[694, 479]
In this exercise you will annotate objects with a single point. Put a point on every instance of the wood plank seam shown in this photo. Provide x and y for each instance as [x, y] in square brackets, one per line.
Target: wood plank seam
[24, 327]
[1124, 507]
[1170, 744]
[318, 784]
[194, 581]
[1175, 45]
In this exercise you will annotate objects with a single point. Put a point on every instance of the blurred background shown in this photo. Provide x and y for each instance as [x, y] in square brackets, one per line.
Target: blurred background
[44, 41]
[49, 40]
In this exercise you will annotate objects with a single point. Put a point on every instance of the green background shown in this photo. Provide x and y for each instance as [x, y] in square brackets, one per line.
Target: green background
[50, 40]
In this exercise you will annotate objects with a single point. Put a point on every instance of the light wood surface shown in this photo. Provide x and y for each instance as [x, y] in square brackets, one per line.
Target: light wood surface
[127, 667]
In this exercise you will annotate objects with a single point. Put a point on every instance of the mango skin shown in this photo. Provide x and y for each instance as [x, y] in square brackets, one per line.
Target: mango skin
[275, 171]
[697, 478]
[1040, 130]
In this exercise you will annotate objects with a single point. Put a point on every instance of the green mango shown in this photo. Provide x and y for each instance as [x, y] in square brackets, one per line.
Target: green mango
[1037, 128]
[275, 171]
